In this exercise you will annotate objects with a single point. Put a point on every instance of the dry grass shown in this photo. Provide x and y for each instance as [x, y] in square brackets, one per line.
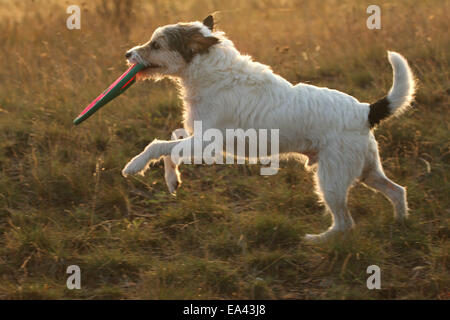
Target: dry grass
[230, 233]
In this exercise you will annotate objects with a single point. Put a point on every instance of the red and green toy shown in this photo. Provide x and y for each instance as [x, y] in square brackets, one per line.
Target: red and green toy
[115, 89]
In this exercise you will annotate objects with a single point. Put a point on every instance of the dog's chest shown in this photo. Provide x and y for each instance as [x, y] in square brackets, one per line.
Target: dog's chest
[191, 113]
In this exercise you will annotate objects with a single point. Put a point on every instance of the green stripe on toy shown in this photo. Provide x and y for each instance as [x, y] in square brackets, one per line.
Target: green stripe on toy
[115, 89]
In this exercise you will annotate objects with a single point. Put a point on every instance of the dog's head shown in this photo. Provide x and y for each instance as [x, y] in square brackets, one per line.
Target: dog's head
[172, 47]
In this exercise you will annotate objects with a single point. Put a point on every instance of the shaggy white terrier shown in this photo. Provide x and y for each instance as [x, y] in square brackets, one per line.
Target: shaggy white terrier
[225, 89]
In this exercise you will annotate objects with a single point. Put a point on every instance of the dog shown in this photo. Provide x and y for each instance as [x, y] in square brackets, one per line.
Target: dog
[225, 89]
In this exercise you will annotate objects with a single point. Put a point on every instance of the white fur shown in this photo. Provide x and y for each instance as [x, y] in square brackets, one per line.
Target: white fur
[225, 89]
[403, 87]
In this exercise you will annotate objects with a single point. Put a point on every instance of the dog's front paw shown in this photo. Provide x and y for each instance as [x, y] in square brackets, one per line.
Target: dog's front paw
[173, 180]
[171, 175]
[137, 165]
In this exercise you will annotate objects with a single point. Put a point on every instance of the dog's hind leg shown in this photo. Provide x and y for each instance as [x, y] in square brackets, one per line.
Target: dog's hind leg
[336, 172]
[396, 194]
[374, 178]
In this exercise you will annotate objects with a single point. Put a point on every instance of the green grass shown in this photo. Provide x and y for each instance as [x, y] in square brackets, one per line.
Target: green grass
[229, 233]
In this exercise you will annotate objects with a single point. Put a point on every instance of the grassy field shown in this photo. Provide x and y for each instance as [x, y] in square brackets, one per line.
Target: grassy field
[229, 233]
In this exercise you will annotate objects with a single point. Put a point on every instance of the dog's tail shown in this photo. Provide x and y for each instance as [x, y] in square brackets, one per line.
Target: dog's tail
[400, 95]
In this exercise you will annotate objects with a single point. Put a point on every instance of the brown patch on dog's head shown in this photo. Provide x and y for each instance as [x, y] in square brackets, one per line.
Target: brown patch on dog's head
[188, 40]
[201, 44]
[172, 47]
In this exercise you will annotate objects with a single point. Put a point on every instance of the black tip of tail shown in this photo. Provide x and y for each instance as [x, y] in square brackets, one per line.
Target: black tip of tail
[379, 111]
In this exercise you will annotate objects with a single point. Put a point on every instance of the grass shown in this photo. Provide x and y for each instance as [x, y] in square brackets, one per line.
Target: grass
[229, 233]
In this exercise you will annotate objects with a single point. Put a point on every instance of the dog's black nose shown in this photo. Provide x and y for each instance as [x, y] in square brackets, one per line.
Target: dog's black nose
[127, 55]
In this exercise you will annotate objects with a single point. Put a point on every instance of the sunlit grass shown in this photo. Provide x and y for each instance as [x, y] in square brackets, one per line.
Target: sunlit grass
[229, 233]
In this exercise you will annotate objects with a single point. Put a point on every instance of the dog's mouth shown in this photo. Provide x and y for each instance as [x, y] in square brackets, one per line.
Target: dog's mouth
[148, 66]
[149, 69]
[152, 66]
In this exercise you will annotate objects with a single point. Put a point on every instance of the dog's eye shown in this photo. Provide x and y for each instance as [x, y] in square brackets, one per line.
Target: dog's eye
[155, 46]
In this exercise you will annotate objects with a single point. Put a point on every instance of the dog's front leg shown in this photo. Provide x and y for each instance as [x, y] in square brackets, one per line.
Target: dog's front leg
[153, 152]
[140, 163]
[171, 172]
[171, 175]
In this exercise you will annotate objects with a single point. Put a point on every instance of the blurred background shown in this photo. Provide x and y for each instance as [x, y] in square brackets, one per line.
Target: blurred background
[229, 233]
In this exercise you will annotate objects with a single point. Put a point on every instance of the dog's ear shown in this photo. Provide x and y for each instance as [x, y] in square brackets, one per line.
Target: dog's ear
[200, 44]
[209, 22]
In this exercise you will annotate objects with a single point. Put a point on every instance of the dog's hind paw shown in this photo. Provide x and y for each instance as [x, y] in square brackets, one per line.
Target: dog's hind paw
[315, 238]
[332, 232]
[321, 237]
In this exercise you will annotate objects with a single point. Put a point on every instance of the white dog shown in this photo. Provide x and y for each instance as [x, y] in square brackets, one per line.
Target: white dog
[225, 89]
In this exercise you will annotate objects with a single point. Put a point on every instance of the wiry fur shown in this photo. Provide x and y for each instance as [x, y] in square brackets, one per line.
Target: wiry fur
[400, 95]
[225, 89]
